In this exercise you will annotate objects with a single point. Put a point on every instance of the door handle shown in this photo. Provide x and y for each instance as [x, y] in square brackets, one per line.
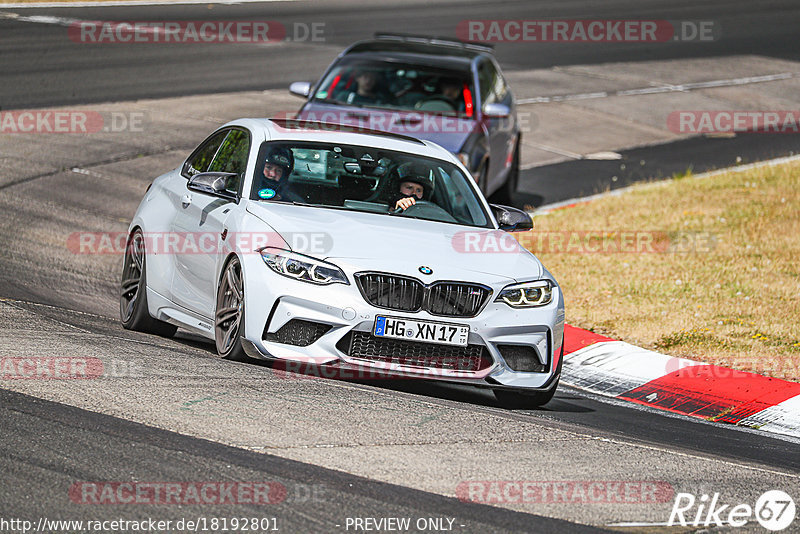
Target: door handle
[186, 200]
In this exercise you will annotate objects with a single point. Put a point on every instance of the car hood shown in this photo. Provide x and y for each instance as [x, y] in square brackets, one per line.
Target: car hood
[449, 132]
[364, 241]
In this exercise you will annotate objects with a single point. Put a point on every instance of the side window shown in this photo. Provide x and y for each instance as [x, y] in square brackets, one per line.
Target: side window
[493, 86]
[232, 157]
[201, 158]
[487, 77]
[500, 87]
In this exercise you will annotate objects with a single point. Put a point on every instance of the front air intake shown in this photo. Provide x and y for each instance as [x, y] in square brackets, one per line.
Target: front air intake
[522, 358]
[298, 332]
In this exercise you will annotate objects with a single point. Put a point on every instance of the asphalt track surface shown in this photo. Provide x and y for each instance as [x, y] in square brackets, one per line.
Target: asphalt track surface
[41, 68]
[46, 446]
[154, 455]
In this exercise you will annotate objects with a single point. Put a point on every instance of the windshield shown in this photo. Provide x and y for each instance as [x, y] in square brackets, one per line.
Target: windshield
[392, 85]
[366, 179]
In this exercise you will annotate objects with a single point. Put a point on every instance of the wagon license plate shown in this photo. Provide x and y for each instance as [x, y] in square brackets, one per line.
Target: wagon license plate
[426, 331]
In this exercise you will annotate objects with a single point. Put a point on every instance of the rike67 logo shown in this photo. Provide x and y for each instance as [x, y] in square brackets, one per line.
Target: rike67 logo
[774, 510]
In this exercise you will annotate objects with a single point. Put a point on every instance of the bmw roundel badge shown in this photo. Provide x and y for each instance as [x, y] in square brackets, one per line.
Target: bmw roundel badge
[425, 270]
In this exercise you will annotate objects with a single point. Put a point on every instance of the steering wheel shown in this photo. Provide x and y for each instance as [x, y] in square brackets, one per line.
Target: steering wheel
[417, 204]
[427, 210]
[435, 103]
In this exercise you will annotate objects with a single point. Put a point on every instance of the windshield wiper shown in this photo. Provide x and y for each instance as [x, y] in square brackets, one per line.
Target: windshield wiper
[345, 208]
[334, 207]
[336, 102]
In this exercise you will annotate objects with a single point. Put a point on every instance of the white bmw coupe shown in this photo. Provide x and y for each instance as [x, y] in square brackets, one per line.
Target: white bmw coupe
[357, 250]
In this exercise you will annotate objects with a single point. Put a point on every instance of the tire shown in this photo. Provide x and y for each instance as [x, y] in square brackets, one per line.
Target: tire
[133, 311]
[505, 194]
[229, 312]
[514, 399]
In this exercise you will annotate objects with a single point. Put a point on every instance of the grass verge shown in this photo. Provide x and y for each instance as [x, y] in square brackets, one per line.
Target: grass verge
[703, 268]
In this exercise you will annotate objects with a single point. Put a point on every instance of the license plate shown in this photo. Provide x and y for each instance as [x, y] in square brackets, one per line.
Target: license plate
[426, 331]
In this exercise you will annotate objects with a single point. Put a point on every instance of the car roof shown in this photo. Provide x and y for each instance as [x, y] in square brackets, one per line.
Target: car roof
[429, 60]
[437, 51]
[298, 130]
[421, 44]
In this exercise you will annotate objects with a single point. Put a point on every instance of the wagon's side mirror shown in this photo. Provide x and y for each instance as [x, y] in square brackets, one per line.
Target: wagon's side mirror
[301, 89]
[496, 110]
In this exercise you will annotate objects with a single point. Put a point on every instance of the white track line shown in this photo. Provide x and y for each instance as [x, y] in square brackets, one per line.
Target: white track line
[41, 19]
[681, 88]
[546, 148]
[126, 3]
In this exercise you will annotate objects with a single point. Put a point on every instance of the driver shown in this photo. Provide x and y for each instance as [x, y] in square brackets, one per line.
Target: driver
[413, 184]
[451, 89]
[369, 90]
[277, 167]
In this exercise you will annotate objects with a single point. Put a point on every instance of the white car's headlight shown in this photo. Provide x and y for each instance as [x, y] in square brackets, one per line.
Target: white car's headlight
[527, 294]
[302, 267]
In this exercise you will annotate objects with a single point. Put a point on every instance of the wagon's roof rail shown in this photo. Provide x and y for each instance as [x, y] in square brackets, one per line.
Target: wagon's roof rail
[436, 41]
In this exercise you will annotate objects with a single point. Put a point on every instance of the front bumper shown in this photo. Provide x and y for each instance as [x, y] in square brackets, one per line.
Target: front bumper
[273, 301]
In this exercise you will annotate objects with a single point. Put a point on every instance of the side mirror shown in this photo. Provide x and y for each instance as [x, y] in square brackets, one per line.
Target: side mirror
[511, 219]
[213, 183]
[301, 89]
[496, 111]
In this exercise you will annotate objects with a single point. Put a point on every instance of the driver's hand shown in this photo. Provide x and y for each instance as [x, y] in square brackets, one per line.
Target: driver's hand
[405, 203]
